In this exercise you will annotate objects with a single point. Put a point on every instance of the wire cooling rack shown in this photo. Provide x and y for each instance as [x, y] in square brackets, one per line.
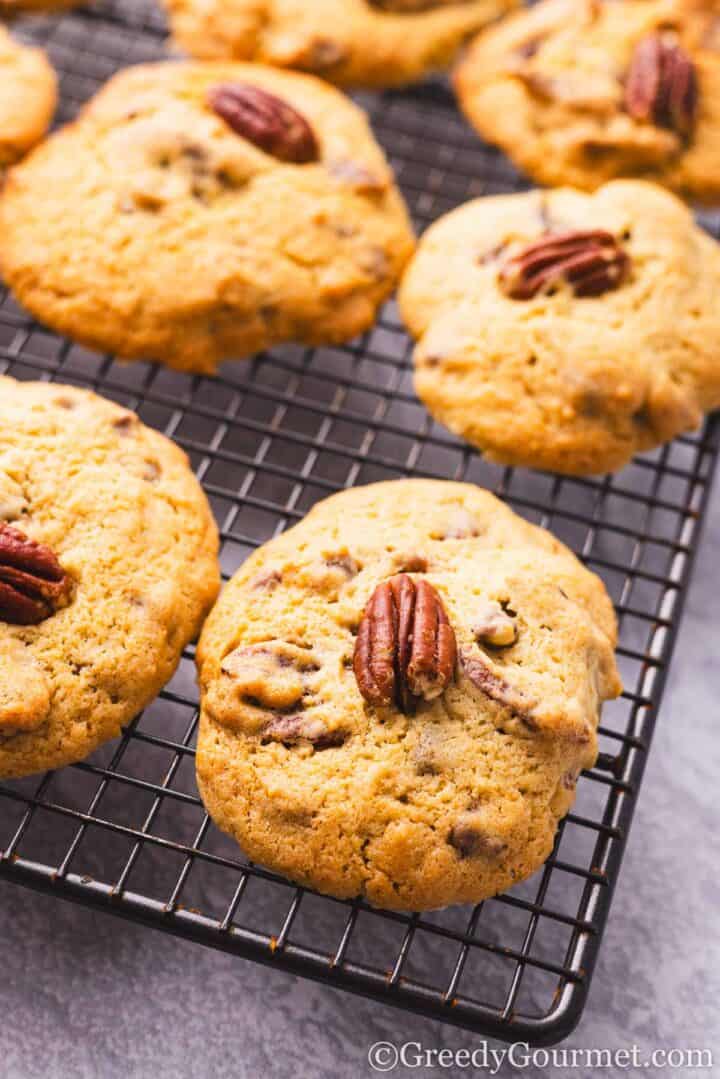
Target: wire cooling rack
[125, 831]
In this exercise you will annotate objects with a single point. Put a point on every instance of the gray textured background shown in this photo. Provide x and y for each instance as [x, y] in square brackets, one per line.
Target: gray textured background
[89, 995]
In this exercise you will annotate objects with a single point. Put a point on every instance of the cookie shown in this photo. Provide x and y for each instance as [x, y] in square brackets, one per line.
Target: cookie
[583, 91]
[370, 43]
[398, 695]
[565, 330]
[108, 565]
[202, 211]
[28, 97]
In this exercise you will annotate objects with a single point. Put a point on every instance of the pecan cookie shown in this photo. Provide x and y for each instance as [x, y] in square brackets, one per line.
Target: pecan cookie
[582, 91]
[28, 95]
[567, 331]
[398, 695]
[108, 564]
[365, 43]
[211, 210]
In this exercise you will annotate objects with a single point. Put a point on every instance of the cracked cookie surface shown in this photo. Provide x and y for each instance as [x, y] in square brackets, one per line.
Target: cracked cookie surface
[120, 509]
[28, 96]
[457, 799]
[366, 43]
[154, 228]
[552, 86]
[555, 379]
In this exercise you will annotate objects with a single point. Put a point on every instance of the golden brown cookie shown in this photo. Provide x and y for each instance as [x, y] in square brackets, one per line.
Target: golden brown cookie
[108, 565]
[399, 693]
[567, 331]
[28, 96]
[582, 91]
[355, 43]
[196, 212]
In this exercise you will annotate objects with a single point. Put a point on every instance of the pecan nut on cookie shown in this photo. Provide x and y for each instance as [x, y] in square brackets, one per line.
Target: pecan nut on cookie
[564, 330]
[210, 211]
[353, 43]
[584, 91]
[108, 565]
[28, 96]
[398, 695]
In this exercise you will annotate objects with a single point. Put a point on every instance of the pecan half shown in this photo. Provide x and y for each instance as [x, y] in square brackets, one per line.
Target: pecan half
[591, 262]
[405, 648]
[265, 120]
[33, 584]
[661, 86]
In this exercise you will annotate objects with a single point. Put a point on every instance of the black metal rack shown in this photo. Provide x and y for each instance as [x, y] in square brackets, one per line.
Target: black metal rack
[125, 831]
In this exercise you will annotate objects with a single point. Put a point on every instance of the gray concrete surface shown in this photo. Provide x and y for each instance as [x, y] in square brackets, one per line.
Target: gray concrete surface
[85, 995]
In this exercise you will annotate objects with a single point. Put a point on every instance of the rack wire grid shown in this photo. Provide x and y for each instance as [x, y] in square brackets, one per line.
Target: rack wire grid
[126, 832]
